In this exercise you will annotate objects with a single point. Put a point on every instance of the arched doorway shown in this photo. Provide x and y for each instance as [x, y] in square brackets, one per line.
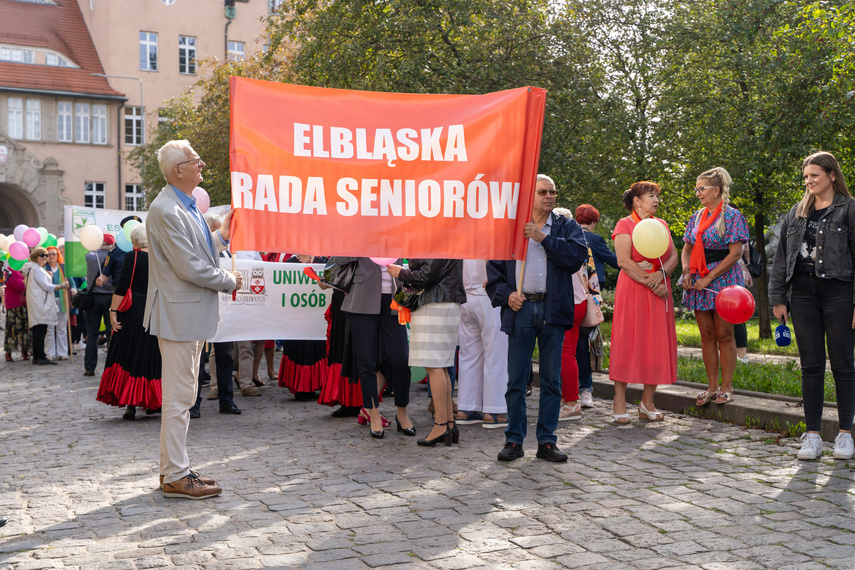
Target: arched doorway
[30, 189]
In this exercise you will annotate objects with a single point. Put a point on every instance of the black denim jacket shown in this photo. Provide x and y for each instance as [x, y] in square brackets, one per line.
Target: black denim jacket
[835, 247]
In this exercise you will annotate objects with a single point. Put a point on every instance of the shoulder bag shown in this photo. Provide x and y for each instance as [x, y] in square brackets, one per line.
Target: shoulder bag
[594, 315]
[340, 276]
[128, 299]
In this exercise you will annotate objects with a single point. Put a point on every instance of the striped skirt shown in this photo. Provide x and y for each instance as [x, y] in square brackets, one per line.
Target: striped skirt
[433, 334]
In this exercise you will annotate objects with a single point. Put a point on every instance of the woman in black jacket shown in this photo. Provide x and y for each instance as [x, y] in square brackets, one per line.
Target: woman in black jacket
[433, 333]
[814, 267]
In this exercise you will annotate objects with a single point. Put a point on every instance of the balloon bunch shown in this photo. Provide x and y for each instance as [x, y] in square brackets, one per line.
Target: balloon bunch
[15, 247]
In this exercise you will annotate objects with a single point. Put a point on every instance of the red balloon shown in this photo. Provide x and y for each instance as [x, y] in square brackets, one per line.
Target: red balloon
[735, 304]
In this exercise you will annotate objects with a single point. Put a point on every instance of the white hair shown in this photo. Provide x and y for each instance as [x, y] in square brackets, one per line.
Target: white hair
[138, 236]
[563, 212]
[213, 220]
[171, 154]
[545, 177]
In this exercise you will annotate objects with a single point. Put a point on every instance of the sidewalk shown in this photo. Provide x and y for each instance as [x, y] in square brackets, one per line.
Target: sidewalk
[79, 486]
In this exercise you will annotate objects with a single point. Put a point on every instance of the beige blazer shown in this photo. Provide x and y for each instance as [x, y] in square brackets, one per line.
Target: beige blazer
[184, 276]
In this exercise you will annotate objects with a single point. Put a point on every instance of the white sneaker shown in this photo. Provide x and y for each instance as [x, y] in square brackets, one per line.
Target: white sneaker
[743, 359]
[812, 447]
[844, 448]
[587, 400]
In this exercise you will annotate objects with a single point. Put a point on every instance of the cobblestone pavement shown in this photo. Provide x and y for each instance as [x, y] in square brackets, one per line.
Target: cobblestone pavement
[79, 486]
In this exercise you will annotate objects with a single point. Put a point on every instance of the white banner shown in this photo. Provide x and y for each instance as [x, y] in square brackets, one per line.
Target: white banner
[78, 217]
[276, 302]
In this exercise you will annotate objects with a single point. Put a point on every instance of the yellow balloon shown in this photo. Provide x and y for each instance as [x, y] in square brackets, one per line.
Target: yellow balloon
[650, 238]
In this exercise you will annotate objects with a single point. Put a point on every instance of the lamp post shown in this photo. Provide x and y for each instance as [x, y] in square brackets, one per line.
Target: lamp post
[119, 127]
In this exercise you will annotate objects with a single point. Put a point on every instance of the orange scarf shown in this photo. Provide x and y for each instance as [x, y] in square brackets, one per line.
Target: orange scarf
[698, 261]
[657, 263]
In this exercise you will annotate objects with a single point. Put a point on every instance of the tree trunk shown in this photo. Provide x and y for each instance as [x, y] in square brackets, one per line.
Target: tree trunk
[763, 280]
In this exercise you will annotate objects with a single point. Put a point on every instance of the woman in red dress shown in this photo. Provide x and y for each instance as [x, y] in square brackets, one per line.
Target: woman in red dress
[644, 337]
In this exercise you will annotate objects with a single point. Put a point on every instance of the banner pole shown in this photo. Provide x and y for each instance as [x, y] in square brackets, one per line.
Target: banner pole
[522, 274]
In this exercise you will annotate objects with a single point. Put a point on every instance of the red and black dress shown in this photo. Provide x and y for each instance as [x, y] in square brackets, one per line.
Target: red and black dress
[304, 362]
[337, 389]
[132, 372]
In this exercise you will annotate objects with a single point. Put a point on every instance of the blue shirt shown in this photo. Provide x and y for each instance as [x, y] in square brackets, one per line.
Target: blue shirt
[190, 203]
[534, 280]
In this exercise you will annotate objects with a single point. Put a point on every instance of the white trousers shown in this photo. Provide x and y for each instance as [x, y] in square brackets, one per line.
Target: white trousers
[179, 376]
[482, 376]
[56, 340]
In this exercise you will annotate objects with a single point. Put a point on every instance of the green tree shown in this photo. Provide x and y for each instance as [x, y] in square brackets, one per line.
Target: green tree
[743, 95]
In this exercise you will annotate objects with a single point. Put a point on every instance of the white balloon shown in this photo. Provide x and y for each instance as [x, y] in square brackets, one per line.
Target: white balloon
[91, 237]
[4, 243]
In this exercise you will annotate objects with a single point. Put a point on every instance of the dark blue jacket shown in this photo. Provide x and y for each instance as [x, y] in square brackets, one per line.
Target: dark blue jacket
[602, 253]
[566, 251]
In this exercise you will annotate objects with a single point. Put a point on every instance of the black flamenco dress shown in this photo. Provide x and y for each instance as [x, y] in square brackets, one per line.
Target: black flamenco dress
[341, 363]
[132, 372]
[304, 362]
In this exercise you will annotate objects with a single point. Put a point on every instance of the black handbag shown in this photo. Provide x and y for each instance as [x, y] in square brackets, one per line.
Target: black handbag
[408, 297]
[340, 276]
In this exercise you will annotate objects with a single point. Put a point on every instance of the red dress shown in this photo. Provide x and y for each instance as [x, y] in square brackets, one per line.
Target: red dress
[644, 336]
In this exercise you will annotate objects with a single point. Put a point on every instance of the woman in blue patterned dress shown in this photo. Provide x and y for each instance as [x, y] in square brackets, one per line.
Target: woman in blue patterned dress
[710, 265]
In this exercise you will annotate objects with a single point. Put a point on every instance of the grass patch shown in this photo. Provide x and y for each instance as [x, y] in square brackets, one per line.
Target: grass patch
[784, 379]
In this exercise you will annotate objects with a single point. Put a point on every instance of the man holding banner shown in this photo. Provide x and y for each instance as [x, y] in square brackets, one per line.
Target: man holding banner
[536, 297]
[185, 279]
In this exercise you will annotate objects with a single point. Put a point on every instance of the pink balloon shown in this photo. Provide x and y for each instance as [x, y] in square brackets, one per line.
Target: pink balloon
[19, 250]
[383, 260]
[203, 201]
[31, 237]
[19, 231]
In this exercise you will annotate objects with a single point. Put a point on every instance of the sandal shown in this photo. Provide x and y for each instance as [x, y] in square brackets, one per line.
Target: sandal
[705, 398]
[621, 419]
[724, 397]
[653, 416]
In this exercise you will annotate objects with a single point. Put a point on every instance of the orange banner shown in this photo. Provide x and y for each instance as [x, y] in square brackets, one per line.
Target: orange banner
[336, 172]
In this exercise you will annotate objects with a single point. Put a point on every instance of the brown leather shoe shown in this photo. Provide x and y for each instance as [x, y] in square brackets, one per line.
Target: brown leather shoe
[89, 373]
[190, 487]
[204, 480]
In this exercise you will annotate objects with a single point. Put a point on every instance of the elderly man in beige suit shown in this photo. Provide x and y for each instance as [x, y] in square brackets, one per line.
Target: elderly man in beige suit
[181, 308]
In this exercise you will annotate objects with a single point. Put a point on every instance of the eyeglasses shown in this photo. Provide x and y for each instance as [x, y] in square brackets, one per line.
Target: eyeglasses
[199, 162]
[702, 189]
[543, 192]
[43, 255]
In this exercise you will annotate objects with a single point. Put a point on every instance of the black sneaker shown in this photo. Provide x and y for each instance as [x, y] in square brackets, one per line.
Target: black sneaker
[511, 451]
[550, 452]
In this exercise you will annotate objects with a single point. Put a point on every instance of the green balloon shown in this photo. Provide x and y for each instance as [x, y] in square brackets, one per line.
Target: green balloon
[128, 228]
[43, 233]
[16, 264]
[50, 241]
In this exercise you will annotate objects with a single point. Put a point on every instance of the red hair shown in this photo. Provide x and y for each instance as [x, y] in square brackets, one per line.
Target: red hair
[587, 214]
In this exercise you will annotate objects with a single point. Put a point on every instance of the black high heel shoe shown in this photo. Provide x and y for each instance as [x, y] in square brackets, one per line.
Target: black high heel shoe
[411, 431]
[445, 437]
[377, 434]
[455, 433]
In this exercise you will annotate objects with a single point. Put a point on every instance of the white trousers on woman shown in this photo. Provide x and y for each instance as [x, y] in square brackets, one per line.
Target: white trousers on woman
[482, 375]
[56, 340]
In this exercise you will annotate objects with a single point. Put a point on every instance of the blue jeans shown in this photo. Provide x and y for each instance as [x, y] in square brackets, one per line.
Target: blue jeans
[529, 326]
[822, 313]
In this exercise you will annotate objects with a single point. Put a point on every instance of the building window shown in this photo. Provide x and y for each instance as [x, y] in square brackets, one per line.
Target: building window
[148, 51]
[81, 122]
[93, 195]
[237, 51]
[34, 120]
[133, 126]
[186, 55]
[17, 54]
[63, 121]
[99, 124]
[273, 4]
[16, 117]
[134, 199]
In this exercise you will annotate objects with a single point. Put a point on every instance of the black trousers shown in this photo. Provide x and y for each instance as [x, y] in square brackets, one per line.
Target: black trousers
[374, 335]
[39, 332]
[822, 314]
[224, 362]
